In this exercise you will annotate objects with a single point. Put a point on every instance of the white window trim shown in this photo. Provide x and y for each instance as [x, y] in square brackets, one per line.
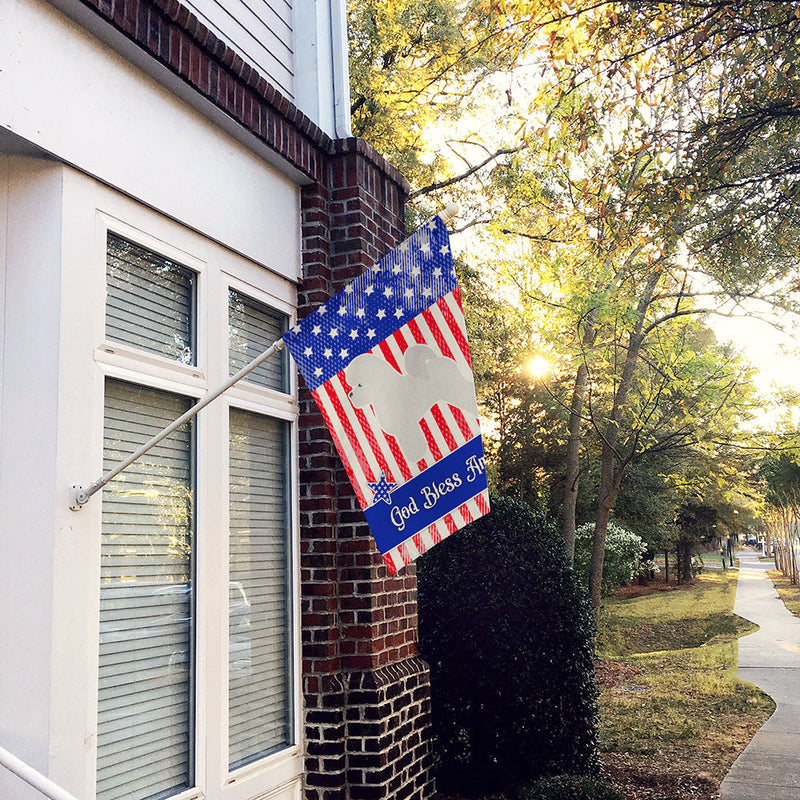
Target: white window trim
[277, 775]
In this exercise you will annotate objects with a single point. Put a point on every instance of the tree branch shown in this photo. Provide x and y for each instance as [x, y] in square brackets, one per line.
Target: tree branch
[433, 187]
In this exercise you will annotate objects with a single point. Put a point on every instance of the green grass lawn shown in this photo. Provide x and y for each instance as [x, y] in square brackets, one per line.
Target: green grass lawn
[670, 701]
[686, 617]
[788, 593]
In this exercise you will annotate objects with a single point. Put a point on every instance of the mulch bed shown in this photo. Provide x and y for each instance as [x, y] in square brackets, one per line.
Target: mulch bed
[610, 674]
[639, 783]
[656, 584]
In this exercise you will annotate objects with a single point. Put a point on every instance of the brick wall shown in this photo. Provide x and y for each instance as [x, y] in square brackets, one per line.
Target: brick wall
[366, 692]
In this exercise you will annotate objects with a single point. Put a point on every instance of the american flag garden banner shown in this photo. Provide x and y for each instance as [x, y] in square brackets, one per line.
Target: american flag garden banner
[388, 364]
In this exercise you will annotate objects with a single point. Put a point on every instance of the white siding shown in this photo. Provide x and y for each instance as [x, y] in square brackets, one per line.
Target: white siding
[67, 93]
[299, 46]
[260, 31]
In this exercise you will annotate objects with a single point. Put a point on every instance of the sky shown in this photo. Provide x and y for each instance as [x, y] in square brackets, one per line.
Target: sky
[769, 351]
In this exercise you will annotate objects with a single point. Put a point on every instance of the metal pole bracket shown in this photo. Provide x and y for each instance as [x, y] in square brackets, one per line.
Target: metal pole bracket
[79, 497]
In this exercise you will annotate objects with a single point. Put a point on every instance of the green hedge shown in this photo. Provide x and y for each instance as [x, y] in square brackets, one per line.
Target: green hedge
[508, 635]
[570, 787]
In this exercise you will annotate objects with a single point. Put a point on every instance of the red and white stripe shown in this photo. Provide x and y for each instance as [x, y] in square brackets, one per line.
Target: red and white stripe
[402, 555]
[366, 450]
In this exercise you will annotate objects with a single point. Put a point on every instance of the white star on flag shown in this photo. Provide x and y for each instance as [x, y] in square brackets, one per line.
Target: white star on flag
[382, 490]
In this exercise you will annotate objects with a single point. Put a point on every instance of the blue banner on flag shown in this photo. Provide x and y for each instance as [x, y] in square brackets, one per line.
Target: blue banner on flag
[427, 497]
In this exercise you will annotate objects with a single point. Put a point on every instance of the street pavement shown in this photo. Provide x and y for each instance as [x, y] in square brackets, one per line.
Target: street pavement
[769, 767]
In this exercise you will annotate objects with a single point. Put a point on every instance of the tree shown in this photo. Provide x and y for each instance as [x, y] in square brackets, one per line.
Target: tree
[647, 501]
[726, 71]
[627, 284]
[780, 473]
[658, 140]
[679, 392]
[590, 246]
[736, 66]
[417, 63]
[696, 521]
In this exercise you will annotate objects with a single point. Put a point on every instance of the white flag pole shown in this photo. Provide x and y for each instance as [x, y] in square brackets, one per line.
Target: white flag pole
[80, 494]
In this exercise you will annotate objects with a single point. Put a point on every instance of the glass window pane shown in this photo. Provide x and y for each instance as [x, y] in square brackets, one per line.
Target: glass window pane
[252, 328]
[145, 708]
[150, 301]
[260, 711]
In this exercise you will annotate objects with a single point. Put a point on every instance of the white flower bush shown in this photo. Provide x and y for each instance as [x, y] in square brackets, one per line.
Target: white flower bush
[623, 559]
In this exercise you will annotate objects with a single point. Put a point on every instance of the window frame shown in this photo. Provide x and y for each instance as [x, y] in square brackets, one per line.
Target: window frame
[191, 462]
[217, 272]
[248, 396]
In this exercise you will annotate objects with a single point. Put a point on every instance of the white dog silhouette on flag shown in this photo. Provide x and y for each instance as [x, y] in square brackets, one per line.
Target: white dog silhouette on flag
[401, 399]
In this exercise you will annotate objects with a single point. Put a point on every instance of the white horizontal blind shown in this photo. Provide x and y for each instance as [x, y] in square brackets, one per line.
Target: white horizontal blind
[252, 328]
[145, 706]
[149, 302]
[260, 690]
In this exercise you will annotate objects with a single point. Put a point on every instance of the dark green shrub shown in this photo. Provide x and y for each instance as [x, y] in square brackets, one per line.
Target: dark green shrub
[507, 633]
[570, 787]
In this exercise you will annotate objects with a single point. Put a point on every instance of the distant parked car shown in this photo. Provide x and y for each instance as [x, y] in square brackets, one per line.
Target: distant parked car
[752, 541]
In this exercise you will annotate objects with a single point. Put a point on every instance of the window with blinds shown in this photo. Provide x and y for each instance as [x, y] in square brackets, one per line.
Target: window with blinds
[252, 328]
[145, 705]
[150, 301]
[151, 700]
[260, 685]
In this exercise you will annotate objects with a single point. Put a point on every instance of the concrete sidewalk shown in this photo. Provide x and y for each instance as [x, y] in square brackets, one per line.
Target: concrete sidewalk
[769, 767]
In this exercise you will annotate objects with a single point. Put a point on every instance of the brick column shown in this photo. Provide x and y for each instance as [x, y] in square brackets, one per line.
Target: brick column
[366, 691]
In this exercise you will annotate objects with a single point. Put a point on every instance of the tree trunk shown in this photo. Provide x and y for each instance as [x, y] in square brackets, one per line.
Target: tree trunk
[568, 522]
[572, 459]
[608, 492]
[610, 474]
[684, 561]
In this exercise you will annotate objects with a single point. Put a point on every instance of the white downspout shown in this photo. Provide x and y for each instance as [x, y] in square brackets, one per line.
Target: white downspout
[340, 68]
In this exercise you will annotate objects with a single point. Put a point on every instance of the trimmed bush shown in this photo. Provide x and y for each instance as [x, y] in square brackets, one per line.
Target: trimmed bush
[507, 632]
[570, 787]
